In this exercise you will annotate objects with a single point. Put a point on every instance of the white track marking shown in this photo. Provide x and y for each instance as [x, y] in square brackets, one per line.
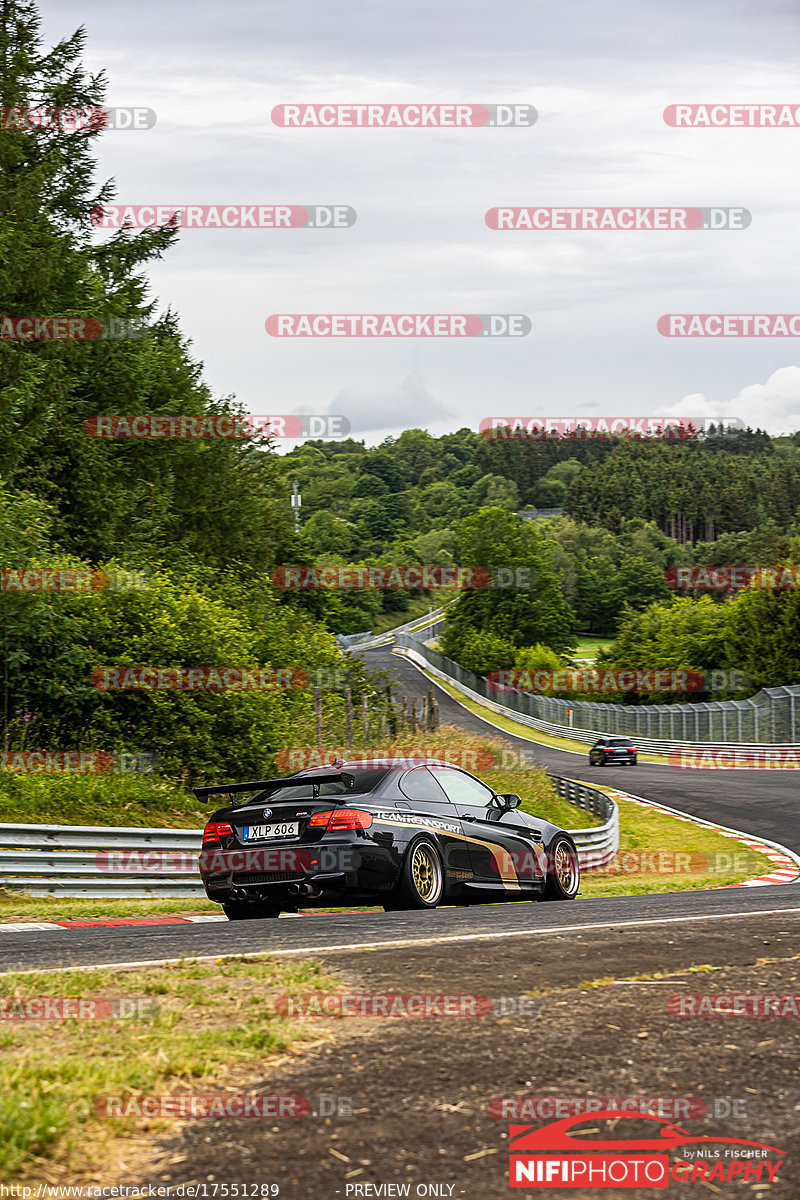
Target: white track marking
[399, 943]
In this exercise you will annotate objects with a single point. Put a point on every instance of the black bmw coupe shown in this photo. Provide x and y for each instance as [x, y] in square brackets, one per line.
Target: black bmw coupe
[410, 835]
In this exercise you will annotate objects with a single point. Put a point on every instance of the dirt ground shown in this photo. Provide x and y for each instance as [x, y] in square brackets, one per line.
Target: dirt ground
[420, 1087]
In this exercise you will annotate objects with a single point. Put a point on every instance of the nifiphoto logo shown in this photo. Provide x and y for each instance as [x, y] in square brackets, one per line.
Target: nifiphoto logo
[595, 1150]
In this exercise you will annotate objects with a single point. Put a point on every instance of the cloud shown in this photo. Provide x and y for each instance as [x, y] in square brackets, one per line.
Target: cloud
[409, 405]
[774, 405]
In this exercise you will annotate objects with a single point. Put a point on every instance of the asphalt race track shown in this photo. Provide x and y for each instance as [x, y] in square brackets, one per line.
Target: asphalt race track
[763, 803]
[493, 923]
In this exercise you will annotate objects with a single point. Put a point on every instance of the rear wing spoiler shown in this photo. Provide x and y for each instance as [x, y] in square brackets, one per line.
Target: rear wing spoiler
[231, 789]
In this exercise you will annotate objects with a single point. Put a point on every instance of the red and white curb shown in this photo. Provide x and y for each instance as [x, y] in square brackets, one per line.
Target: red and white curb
[25, 926]
[787, 863]
[111, 922]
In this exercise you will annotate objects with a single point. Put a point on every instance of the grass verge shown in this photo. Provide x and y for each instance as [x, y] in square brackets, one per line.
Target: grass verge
[202, 1029]
[17, 906]
[677, 857]
[141, 800]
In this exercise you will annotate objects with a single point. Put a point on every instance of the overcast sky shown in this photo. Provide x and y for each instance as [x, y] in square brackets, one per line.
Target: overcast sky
[599, 76]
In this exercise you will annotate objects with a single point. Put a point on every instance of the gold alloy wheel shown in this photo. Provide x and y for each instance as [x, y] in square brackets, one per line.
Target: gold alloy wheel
[565, 869]
[426, 873]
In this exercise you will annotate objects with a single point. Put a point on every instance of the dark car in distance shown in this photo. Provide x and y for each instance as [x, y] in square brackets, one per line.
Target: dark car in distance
[405, 836]
[608, 750]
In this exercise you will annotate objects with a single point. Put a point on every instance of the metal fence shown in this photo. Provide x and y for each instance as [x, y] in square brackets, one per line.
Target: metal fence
[100, 861]
[772, 717]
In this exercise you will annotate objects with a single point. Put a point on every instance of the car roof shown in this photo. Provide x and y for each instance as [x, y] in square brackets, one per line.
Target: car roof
[388, 764]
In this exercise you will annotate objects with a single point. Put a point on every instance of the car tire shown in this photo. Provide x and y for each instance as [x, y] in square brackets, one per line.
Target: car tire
[563, 871]
[243, 910]
[421, 882]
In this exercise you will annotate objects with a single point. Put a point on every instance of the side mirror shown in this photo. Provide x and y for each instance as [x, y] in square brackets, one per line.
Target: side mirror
[511, 801]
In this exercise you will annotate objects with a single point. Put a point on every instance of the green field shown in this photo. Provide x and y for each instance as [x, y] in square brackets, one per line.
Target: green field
[590, 645]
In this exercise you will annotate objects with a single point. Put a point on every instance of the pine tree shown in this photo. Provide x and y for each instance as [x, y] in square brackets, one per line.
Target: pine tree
[223, 501]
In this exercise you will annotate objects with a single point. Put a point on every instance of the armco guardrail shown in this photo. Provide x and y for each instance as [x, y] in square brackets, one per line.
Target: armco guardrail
[702, 725]
[84, 860]
[431, 624]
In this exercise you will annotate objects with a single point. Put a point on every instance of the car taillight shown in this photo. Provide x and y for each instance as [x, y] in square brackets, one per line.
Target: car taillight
[608, 749]
[214, 830]
[341, 818]
[632, 748]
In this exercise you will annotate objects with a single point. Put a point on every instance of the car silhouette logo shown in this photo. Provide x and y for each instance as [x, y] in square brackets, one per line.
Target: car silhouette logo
[267, 812]
[557, 1136]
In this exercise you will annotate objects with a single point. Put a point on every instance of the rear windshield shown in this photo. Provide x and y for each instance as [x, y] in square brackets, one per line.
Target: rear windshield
[363, 783]
[620, 742]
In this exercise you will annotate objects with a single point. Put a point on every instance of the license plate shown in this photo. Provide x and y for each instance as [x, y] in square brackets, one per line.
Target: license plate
[278, 829]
